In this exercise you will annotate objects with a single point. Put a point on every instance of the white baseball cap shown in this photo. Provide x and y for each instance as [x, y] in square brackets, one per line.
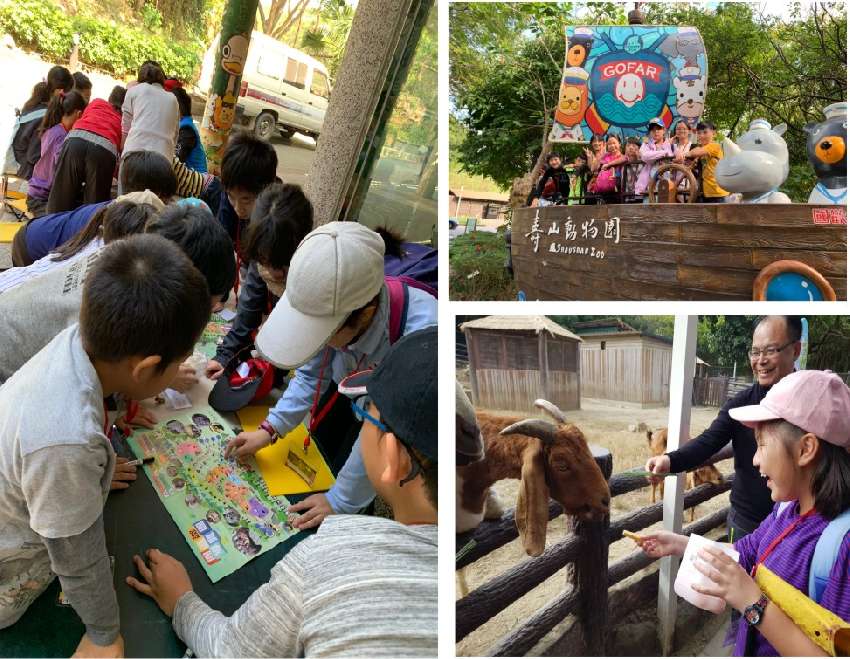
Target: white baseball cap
[338, 268]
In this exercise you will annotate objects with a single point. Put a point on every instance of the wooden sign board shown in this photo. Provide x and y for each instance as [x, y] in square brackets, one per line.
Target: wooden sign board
[671, 251]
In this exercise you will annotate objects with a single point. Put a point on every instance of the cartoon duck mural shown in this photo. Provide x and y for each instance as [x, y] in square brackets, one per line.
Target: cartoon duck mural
[223, 108]
[826, 144]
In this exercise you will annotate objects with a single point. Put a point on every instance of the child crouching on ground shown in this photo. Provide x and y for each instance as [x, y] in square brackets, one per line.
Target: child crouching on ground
[362, 586]
[56, 462]
[802, 429]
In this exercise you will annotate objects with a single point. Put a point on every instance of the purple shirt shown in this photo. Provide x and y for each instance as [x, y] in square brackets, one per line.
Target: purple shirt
[791, 560]
[45, 168]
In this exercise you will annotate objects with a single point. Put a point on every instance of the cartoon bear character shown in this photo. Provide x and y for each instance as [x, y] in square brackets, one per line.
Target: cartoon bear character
[826, 145]
[690, 93]
[579, 44]
[573, 99]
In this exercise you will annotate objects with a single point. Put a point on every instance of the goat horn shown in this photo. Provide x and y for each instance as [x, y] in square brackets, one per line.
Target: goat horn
[543, 430]
[552, 409]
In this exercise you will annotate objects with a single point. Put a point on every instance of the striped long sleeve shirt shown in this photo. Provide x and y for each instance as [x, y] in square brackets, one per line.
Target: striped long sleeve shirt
[362, 586]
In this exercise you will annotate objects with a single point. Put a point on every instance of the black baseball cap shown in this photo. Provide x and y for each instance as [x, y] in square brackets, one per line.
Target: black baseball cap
[404, 389]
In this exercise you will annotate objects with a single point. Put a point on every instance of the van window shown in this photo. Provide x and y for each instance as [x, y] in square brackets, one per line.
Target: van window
[319, 86]
[296, 73]
[270, 65]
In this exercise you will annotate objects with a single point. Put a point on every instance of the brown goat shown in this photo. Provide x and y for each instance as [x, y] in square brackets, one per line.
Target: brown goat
[550, 460]
[709, 474]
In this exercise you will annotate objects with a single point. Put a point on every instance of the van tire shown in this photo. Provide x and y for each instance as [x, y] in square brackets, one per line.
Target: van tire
[264, 125]
[287, 132]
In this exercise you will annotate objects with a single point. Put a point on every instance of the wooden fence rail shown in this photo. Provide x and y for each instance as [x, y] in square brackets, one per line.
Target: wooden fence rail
[586, 548]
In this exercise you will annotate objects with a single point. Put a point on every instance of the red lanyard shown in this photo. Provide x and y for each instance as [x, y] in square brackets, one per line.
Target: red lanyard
[315, 419]
[777, 540]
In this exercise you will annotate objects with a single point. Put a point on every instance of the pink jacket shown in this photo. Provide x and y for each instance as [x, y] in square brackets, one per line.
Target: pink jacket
[650, 153]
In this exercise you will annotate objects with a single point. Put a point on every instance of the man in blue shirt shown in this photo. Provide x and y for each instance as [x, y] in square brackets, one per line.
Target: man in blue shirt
[334, 318]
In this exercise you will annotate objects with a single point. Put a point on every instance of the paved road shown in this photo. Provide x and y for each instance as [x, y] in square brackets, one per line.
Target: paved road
[294, 157]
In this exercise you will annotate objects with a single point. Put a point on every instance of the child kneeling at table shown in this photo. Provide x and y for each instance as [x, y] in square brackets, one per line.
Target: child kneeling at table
[56, 462]
[364, 586]
[802, 429]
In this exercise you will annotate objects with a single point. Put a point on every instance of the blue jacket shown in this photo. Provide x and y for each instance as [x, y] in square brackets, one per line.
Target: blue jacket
[352, 490]
[197, 157]
[46, 233]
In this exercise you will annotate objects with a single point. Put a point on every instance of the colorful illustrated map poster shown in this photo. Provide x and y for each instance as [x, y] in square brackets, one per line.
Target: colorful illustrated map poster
[213, 334]
[617, 78]
[223, 508]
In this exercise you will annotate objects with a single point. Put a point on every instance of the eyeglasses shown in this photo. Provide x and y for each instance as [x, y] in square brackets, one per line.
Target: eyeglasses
[770, 351]
[362, 415]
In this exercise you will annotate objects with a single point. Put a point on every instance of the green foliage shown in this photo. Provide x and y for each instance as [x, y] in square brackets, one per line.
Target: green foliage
[120, 49]
[801, 179]
[151, 17]
[477, 268]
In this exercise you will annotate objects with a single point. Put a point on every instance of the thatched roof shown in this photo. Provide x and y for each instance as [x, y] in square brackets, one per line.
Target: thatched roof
[534, 324]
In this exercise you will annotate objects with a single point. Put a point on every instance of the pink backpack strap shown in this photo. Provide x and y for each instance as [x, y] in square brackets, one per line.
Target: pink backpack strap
[397, 290]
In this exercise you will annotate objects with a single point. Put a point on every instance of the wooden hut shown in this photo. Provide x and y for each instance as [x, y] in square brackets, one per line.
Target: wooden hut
[621, 363]
[514, 360]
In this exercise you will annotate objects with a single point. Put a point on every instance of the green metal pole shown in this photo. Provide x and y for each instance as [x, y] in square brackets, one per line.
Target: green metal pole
[236, 27]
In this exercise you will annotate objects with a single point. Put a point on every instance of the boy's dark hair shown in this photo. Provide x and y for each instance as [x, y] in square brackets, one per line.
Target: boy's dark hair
[116, 97]
[183, 101]
[393, 242]
[633, 140]
[549, 156]
[144, 297]
[203, 239]
[113, 221]
[355, 317]
[151, 72]
[793, 325]
[429, 474]
[248, 163]
[148, 170]
[281, 218]
[702, 125]
[59, 106]
[81, 81]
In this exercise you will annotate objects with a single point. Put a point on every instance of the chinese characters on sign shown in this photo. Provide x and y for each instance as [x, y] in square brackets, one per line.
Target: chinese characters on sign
[836, 215]
[593, 229]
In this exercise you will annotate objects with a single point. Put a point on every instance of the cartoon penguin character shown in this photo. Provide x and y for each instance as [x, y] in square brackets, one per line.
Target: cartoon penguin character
[826, 144]
[579, 44]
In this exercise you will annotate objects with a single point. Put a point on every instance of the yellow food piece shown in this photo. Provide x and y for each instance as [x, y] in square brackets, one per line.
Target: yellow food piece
[822, 626]
[633, 536]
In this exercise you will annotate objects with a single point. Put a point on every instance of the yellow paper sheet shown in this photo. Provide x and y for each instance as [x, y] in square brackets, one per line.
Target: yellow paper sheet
[272, 459]
[8, 231]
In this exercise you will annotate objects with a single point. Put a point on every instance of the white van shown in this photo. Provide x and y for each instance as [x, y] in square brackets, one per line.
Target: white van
[282, 88]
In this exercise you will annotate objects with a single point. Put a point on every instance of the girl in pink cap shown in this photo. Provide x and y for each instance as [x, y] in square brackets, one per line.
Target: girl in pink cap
[802, 428]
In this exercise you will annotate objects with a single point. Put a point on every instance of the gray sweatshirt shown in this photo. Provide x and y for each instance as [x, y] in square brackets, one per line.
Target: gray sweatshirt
[362, 586]
[56, 466]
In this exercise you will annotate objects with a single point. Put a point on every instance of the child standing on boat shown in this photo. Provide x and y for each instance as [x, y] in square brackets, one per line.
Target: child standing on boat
[657, 148]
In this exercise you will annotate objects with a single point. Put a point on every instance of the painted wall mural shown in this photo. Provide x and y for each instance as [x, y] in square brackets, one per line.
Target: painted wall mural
[616, 78]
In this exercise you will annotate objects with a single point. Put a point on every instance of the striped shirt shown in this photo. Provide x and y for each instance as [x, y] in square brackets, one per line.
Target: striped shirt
[189, 182]
[791, 561]
[14, 277]
[362, 586]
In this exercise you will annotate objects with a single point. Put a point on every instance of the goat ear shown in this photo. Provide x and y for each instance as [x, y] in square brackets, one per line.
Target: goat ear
[532, 506]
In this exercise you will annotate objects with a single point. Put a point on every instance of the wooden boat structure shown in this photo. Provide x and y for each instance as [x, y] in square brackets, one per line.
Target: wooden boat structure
[675, 251]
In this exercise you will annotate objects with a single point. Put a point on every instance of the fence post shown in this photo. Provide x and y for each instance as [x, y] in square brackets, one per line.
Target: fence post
[591, 570]
[678, 429]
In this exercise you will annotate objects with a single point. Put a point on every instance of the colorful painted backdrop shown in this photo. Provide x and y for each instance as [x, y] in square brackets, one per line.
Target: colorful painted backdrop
[617, 78]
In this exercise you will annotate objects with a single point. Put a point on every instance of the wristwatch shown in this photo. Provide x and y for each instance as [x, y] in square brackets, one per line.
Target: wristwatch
[269, 428]
[754, 613]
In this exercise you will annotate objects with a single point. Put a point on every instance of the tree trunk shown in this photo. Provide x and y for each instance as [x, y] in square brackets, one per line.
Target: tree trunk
[236, 26]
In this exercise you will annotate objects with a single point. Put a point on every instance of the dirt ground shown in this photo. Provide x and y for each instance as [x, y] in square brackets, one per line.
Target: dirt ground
[604, 423]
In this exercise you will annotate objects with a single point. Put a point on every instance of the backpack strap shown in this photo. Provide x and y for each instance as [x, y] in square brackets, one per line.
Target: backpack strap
[399, 298]
[826, 553]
